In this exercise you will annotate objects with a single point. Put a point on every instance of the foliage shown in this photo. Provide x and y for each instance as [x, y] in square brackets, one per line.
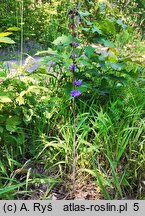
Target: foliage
[36, 109]
[133, 12]
[4, 36]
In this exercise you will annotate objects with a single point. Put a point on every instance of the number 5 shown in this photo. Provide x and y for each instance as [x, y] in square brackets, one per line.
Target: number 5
[136, 207]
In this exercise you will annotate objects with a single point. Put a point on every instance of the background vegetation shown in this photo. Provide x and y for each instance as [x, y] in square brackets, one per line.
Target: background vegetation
[36, 110]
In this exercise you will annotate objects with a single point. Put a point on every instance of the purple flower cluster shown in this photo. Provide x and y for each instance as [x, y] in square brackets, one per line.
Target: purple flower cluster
[72, 67]
[75, 44]
[73, 55]
[75, 93]
[78, 82]
[74, 16]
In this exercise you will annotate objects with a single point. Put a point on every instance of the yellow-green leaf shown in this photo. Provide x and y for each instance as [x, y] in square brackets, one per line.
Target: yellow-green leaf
[6, 40]
[4, 99]
[14, 28]
[4, 34]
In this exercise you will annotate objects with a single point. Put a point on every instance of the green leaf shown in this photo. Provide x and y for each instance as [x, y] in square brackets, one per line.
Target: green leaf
[14, 28]
[119, 22]
[115, 176]
[96, 29]
[89, 50]
[107, 43]
[63, 40]
[84, 14]
[67, 89]
[12, 123]
[4, 34]
[83, 88]
[49, 52]
[86, 29]
[20, 100]
[108, 27]
[3, 73]
[2, 118]
[28, 114]
[117, 66]
[8, 189]
[4, 99]
[6, 40]
[1, 129]
[117, 78]
[88, 22]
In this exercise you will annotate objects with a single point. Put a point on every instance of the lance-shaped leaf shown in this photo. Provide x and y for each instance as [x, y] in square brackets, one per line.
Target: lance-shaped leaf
[6, 40]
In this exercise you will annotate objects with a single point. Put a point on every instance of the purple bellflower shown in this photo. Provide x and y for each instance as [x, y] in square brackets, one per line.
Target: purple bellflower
[72, 67]
[75, 44]
[78, 82]
[75, 93]
[73, 55]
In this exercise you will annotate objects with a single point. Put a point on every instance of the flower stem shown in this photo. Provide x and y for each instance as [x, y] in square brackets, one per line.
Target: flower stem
[74, 145]
[73, 14]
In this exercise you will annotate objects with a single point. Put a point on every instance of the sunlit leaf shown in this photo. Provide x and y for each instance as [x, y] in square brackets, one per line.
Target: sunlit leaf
[4, 99]
[49, 51]
[14, 28]
[6, 40]
[4, 34]
[63, 40]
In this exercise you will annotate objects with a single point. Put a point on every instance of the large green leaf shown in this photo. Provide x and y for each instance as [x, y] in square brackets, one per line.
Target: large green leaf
[63, 40]
[12, 123]
[89, 50]
[106, 43]
[6, 40]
